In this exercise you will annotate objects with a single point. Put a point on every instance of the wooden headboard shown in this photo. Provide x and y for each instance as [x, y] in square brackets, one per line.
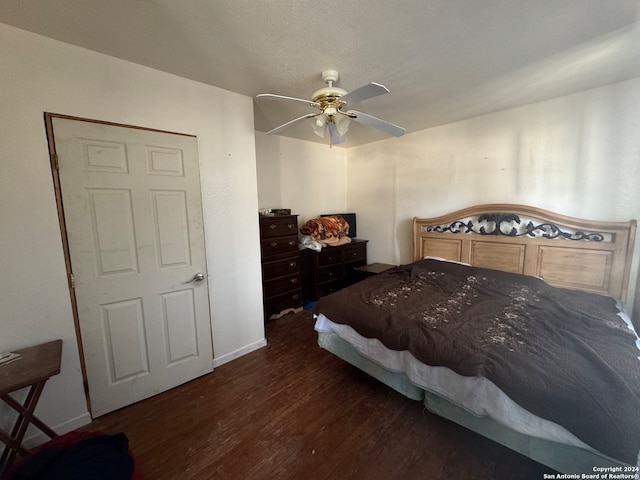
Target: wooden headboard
[567, 252]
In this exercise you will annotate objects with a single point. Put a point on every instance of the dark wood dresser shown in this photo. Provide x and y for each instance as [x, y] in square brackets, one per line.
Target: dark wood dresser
[331, 269]
[280, 265]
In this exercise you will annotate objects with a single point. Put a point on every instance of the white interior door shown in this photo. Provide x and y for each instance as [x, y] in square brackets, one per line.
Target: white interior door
[133, 215]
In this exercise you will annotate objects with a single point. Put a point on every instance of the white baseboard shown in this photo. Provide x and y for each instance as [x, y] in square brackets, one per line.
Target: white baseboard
[239, 353]
[38, 438]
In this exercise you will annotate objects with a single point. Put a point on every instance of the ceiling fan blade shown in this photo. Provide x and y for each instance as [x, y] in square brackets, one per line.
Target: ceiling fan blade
[374, 122]
[291, 122]
[336, 138]
[363, 93]
[282, 97]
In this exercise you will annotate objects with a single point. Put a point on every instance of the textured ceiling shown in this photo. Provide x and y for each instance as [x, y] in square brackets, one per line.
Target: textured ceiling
[443, 60]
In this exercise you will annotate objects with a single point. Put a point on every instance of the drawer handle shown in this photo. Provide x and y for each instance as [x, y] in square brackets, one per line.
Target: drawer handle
[293, 264]
[295, 297]
[331, 274]
[294, 280]
[291, 225]
[292, 242]
[274, 244]
[273, 226]
[355, 254]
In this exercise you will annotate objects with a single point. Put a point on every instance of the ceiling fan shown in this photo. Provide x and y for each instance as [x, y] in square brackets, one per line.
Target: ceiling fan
[334, 116]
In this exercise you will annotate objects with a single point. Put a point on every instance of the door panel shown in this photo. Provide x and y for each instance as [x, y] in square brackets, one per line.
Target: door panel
[179, 319]
[111, 218]
[124, 333]
[172, 233]
[133, 216]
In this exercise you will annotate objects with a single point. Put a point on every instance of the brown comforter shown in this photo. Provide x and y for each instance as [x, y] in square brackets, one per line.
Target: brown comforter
[563, 355]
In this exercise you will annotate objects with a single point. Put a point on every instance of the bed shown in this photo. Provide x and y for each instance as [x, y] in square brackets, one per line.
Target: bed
[510, 321]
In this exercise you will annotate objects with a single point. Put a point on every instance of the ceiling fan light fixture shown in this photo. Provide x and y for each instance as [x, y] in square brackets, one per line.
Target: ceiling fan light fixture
[320, 125]
[330, 111]
[342, 124]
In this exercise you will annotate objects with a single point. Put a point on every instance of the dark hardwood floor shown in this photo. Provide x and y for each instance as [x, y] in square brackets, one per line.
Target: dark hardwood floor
[294, 411]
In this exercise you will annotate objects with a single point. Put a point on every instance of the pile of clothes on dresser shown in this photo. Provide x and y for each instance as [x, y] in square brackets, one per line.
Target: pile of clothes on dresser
[320, 232]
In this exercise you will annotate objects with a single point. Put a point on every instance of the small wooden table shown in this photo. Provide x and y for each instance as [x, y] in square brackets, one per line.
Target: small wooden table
[36, 365]
[374, 269]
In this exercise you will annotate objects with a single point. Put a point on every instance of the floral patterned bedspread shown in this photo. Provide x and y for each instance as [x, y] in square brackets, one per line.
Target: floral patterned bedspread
[563, 355]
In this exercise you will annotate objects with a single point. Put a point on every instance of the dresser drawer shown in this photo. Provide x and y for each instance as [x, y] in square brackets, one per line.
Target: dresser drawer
[279, 245]
[326, 288]
[281, 285]
[276, 304]
[280, 268]
[329, 257]
[278, 226]
[332, 272]
[355, 253]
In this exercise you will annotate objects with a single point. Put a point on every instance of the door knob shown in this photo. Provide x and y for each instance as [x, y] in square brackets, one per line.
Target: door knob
[198, 277]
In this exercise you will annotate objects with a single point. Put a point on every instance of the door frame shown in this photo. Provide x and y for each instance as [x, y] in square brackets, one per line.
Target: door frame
[53, 159]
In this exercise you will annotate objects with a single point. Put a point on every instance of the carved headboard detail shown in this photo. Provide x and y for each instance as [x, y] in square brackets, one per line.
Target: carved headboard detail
[567, 252]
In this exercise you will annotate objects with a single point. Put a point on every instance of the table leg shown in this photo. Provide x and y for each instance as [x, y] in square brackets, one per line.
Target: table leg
[25, 417]
[11, 443]
[27, 410]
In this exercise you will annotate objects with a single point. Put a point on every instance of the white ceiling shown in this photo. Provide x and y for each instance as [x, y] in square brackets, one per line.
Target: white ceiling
[443, 60]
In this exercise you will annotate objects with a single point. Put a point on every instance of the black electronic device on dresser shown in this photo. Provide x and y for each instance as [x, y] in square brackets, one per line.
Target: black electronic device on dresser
[280, 265]
[331, 269]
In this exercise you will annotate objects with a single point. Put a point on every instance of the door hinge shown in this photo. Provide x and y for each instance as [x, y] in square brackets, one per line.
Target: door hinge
[72, 280]
[85, 384]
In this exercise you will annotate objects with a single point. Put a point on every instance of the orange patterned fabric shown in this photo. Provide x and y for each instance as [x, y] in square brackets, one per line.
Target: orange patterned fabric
[324, 228]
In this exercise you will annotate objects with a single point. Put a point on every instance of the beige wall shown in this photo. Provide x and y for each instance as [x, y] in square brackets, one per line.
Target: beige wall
[307, 177]
[41, 75]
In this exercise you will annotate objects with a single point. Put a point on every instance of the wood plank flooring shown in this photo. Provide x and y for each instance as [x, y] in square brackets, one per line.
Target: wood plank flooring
[294, 411]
